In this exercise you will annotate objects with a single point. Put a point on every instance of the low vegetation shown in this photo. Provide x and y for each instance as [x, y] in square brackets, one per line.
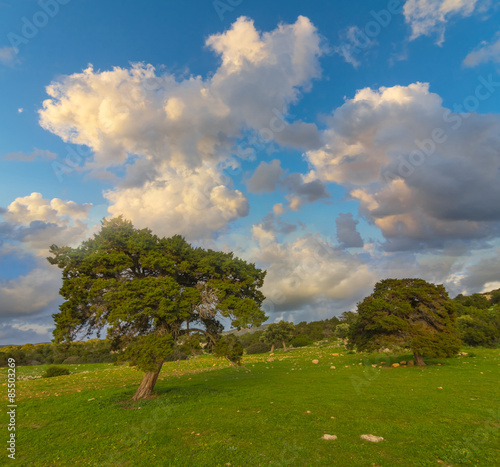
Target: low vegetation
[208, 413]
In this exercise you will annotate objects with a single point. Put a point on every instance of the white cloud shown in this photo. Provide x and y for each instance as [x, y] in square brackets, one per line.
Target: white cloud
[39, 222]
[379, 145]
[31, 293]
[8, 55]
[180, 131]
[309, 271]
[195, 203]
[428, 17]
[486, 52]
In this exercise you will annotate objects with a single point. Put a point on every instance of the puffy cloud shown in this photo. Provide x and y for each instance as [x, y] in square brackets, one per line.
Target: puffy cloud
[486, 52]
[195, 203]
[36, 154]
[309, 271]
[8, 55]
[407, 159]
[134, 111]
[31, 293]
[39, 222]
[266, 177]
[482, 276]
[166, 131]
[427, 17]
[302, 188]
[347, 234]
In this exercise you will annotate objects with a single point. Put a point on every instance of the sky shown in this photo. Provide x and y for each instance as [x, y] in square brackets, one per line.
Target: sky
[333, 144]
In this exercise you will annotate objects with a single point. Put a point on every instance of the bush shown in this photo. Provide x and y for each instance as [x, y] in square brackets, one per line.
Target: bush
[258, 347]
[301, 341]
[73, 360]
[56, 371]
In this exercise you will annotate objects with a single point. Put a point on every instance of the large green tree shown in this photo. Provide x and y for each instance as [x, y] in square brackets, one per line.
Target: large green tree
[150, 293]
[407, 313]
[278, 333]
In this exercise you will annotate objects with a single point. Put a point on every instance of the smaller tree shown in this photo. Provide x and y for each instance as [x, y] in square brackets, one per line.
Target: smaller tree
[407, 313]
[342, 332]
[278, 333]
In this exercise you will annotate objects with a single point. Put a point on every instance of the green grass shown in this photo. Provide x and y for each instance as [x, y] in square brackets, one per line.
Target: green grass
[271, 413]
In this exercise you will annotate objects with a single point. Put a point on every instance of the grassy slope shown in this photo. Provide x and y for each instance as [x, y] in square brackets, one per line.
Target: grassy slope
[274, 414]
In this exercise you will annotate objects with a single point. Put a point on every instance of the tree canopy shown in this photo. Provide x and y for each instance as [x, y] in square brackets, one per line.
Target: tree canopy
[150, 292]
[407, 313]
[278, 333]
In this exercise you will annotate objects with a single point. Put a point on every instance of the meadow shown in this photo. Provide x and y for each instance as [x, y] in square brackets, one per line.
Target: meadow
[272, 411]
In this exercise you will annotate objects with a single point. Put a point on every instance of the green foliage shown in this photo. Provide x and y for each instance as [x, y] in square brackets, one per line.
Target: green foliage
[278, 333]
[407, 313]
[342, 331]
[479, 327]
[495, 297]
[301, 341]
[476, 300]
[56, 371]
[250, 338]
[151, 292]
[230, 348]
[257, 347]
[317, 330]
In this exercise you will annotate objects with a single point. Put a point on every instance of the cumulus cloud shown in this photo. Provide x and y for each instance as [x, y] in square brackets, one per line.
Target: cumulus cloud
[486, 52]
[193, 202]
[422, 173]
[36, 154]
[266, 177]
[175, 129]
[309, 271]
[429, 17]
[38, 222]
[347, 234]
[8, 55]
[482, 276]
[303, 189]
[31, 293]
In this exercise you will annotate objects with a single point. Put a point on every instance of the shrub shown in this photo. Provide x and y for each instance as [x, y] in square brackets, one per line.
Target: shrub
[73, 360]
[258, 347]
[56, 371]
[301, 341]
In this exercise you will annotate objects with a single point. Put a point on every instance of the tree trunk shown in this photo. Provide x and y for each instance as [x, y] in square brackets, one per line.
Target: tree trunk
[147, 384]
[419, 360]
[284, 346]
[272, 348]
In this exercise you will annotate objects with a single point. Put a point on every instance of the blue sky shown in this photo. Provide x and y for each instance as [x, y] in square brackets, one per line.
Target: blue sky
[332, 143]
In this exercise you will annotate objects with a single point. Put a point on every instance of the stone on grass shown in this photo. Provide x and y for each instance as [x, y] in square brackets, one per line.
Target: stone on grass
[402, 363]
[315, 361]
[372, 438]
[395, 365]
[329, 437]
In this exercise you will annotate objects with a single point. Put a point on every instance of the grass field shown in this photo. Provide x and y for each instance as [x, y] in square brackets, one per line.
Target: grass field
[207, 413]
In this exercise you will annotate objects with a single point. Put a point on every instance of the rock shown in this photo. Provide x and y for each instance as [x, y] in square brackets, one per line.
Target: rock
[332, 368]
[315, 362]
[463, 354]
[386, 350]
[395, 365]
[402, 363]
[329, 437]
[270, 359]
[410, 363]
[372, 438]
[335, 354]
[374, 365]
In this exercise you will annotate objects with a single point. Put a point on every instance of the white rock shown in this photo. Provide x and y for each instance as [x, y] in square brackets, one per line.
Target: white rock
[315, 362]
[329, 437]
[372, 438]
